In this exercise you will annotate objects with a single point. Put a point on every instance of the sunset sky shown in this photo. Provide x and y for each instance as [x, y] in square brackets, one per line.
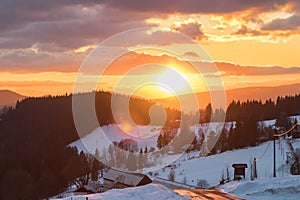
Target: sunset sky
[43, 43]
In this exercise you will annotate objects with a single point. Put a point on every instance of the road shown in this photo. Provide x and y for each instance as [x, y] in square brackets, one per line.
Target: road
[201, 194]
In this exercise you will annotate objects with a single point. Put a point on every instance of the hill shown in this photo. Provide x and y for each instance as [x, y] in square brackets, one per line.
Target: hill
[9, 98]
[241, 94]
[33, 140]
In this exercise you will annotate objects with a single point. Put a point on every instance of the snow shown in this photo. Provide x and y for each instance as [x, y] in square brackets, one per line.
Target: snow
[210, 168]
[147, 192]
[144, 135]
[270, 123]
[273, 188]
[296, 144]
[267, 123]
[297, 117]
[103, 136]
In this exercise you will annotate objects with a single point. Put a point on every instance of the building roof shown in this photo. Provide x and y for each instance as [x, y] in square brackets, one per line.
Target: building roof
[240, 165]
[129, 179]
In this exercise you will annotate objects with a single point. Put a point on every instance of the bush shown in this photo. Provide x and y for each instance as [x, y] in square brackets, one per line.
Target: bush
[202, 184]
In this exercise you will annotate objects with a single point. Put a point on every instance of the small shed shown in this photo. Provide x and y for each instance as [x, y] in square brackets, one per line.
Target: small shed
[239, 171]
[118, 179]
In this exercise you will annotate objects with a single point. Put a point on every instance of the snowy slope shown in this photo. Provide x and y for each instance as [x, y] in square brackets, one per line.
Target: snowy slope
[147, 192]
[271, 122]
[147, 135]
[144, 135]
[210, 168]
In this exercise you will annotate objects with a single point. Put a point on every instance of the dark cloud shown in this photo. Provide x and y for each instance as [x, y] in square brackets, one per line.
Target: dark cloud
[17, 13]
[194, 6]
[70, 28]
[192, 30]
[291, 23]
[29, 60]
[231, 69]
[72, 23]
[246, 31]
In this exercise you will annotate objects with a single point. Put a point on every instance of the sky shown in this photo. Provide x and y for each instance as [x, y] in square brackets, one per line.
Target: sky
[44, 43]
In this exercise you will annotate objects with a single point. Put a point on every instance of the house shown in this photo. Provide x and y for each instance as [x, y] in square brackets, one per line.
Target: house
[118, 179]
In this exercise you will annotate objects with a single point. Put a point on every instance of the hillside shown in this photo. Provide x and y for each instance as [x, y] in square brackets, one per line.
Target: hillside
[9, 98]
[242, 94]
[33, 140]
[191, 168]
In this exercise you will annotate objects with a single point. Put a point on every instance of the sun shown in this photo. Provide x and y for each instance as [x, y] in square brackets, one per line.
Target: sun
[173, 80]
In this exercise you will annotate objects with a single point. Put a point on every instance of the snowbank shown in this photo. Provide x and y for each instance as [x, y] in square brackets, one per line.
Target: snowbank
[272, 188]
[147, 192]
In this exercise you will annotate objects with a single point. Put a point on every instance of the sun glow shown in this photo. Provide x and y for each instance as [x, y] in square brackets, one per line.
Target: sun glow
[173, 80]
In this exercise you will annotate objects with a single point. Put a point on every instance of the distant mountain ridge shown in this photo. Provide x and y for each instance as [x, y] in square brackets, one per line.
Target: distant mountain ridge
[241, 94]
[9, 98]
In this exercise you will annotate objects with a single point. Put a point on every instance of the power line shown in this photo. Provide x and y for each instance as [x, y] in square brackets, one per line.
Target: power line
[281, 134]
[264, 152]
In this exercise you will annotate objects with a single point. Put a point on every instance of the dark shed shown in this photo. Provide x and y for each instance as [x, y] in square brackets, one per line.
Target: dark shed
[239, 170]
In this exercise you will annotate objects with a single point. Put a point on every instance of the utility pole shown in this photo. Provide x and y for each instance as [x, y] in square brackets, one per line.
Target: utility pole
[274, 150]
[255, 171]
[274, 142]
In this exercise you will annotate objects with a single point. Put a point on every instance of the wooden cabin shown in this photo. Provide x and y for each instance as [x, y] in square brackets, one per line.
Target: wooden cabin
[118, 179]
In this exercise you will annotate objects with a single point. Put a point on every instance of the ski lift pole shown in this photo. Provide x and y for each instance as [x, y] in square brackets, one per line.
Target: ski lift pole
[274, 151]
[274, 166]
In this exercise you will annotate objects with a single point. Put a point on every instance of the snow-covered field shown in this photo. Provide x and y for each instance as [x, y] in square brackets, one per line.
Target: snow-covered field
[271, 122]
[287, 188]
[210, 168]
[147, 192]
[144, 135]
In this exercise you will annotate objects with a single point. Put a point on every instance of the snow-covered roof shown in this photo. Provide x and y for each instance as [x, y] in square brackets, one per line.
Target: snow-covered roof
[130, 179]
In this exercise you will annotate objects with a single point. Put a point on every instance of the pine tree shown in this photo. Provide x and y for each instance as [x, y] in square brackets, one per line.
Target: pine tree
[96, 166]
[208, 113]
[131, 163]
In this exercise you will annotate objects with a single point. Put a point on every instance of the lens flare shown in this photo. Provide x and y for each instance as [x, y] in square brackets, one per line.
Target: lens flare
[126, 127]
